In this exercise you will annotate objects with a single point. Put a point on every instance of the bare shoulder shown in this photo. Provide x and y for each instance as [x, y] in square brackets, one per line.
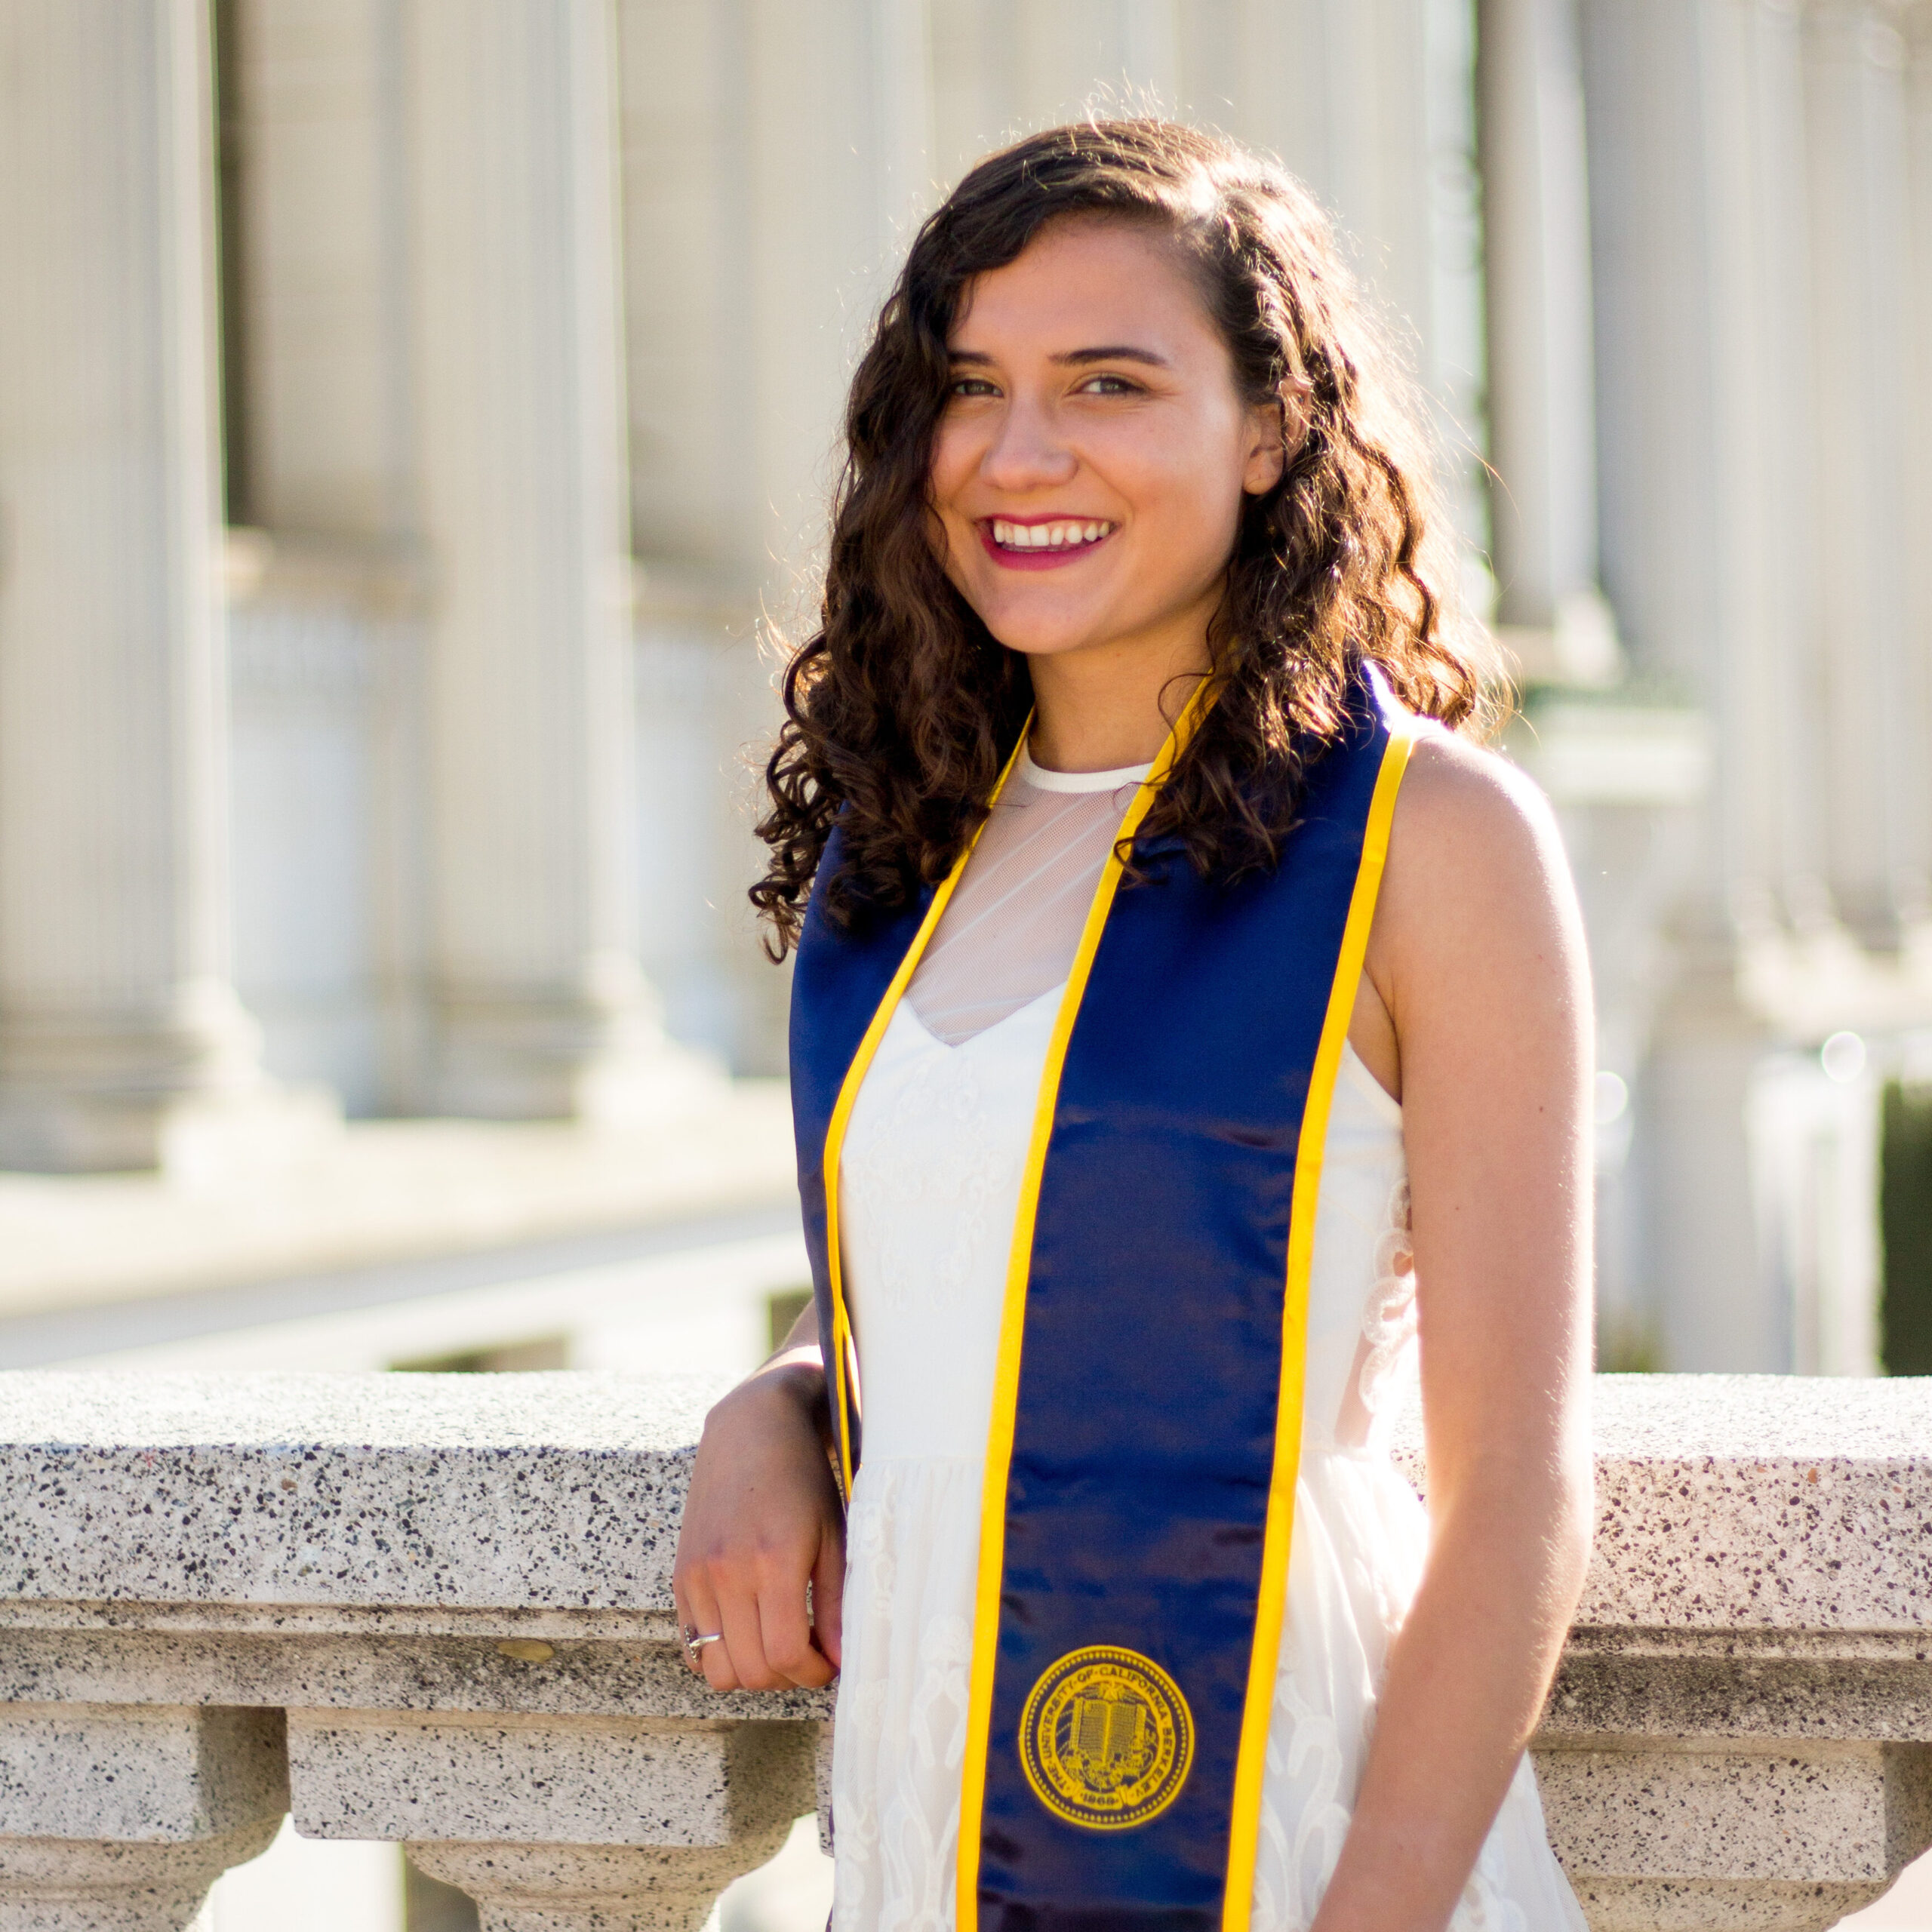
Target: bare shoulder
[1461, 802]
[1477, 889]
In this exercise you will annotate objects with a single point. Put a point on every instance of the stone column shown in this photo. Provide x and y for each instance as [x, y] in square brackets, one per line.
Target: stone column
[321, 242]
[541, 1007]
[1876, 725]
[122, 1043]
[1696, 137]
[1915, 22]
[117, 1818]
[1695, 285]
[1542, 383]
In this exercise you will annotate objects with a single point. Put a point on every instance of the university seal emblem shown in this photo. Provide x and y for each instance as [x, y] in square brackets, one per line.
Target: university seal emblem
[1106, 1739]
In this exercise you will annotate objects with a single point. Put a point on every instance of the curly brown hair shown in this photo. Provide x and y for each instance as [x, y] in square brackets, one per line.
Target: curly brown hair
[901, 708]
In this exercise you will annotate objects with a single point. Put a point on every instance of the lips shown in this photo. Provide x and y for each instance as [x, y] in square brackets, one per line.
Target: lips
[1042, 542]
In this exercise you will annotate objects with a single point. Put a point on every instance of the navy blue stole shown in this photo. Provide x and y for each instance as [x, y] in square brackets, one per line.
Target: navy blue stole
[1142, 1453]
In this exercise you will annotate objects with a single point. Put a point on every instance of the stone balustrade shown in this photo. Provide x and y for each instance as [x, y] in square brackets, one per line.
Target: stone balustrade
[436, 1610]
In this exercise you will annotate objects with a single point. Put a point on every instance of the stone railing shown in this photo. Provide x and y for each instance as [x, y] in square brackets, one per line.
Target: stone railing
[435, 1610]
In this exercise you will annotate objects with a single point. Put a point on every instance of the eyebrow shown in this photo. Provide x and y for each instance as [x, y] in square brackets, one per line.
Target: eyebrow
[1106, 352]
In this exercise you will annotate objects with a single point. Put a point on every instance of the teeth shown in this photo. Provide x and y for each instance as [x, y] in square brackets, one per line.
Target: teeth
[1046, 536]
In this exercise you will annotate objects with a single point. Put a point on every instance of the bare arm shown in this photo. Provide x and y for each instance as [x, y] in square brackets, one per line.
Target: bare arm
[762, 1521]
[1478, 1000]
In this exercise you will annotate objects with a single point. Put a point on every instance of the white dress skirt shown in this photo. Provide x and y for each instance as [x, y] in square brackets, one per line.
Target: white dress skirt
[930, 1182]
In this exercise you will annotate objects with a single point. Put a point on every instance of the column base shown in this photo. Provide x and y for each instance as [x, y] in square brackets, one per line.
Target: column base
[596, 1888]
[177, 1085]
[192, 1138]
[84, 1885]
[563, 1058]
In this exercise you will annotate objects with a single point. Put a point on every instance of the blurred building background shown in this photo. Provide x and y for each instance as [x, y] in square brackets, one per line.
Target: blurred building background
[416, 418]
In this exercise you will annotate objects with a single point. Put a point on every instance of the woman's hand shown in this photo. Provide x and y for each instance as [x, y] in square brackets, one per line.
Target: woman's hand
[761, 1521]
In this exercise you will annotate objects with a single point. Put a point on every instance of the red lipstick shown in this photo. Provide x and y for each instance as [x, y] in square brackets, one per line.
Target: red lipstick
[1012, 549]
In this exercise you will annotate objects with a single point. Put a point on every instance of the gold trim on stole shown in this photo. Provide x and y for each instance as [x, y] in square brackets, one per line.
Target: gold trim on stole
[1270, 1604]
[844, 1349]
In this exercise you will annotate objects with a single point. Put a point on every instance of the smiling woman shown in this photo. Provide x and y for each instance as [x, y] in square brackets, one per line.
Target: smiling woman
[903, 707]
[1188, 1017]
[1092, 425]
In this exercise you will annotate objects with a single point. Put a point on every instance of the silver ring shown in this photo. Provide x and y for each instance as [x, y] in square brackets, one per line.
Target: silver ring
[695, 1640]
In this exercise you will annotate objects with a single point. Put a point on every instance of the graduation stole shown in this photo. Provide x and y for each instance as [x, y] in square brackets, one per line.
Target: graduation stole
[1145, 1433]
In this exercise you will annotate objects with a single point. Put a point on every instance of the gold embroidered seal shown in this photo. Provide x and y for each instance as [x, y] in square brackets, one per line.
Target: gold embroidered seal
[1106, 1739]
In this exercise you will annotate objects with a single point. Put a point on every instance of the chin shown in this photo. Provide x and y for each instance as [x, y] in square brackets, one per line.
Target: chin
[1039, 640]
[1034, 632]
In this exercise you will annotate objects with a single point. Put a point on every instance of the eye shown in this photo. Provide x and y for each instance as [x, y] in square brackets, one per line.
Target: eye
[1105, 385]
[970, 386]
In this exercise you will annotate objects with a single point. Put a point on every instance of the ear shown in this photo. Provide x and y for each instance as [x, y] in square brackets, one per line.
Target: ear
[1275, 431]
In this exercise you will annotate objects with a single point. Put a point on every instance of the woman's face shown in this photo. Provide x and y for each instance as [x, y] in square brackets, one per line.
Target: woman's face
[1089, 468]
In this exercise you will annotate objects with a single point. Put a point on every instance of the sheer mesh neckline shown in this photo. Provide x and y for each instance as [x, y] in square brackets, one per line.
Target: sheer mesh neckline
[1009, 931]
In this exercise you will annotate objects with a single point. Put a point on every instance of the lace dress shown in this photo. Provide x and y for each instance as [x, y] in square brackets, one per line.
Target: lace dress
[930, 1175]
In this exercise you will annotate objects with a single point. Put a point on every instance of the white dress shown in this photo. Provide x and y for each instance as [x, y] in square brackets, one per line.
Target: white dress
[930, 1180]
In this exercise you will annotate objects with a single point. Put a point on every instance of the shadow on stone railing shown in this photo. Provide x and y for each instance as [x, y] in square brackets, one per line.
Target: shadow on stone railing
[436, 1610]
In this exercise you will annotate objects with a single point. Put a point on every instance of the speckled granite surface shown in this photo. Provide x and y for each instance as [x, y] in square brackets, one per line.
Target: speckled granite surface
[1724, 1502]
[496, 1492]
[1776, 1417]
[570, 1409]
[1795, 1502]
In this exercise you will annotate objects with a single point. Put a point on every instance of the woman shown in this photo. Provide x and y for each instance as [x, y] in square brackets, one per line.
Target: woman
[1187, 1012]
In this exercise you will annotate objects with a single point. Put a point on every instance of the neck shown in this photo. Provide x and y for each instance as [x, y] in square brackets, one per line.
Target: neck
[1103, 706]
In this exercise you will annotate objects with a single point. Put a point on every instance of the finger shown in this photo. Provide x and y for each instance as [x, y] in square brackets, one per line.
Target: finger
[714, 1665]
[682, 1591]
[698, 1612]
[829, 1596]
[681, 1609]
[786, 1631]
[741, 1656]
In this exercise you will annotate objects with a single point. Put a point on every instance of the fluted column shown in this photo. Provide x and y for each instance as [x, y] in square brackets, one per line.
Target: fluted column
[1876, 724]
[1541, 384]
[1704, 287]
[322, 244]
[541, 1008]
[1916, 26]
[115, 1009]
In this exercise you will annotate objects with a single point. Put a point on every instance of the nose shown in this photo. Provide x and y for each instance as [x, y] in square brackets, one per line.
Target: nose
[1028, 452]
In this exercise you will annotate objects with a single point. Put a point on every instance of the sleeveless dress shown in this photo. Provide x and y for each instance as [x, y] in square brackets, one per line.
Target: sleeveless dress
[930, 1180]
